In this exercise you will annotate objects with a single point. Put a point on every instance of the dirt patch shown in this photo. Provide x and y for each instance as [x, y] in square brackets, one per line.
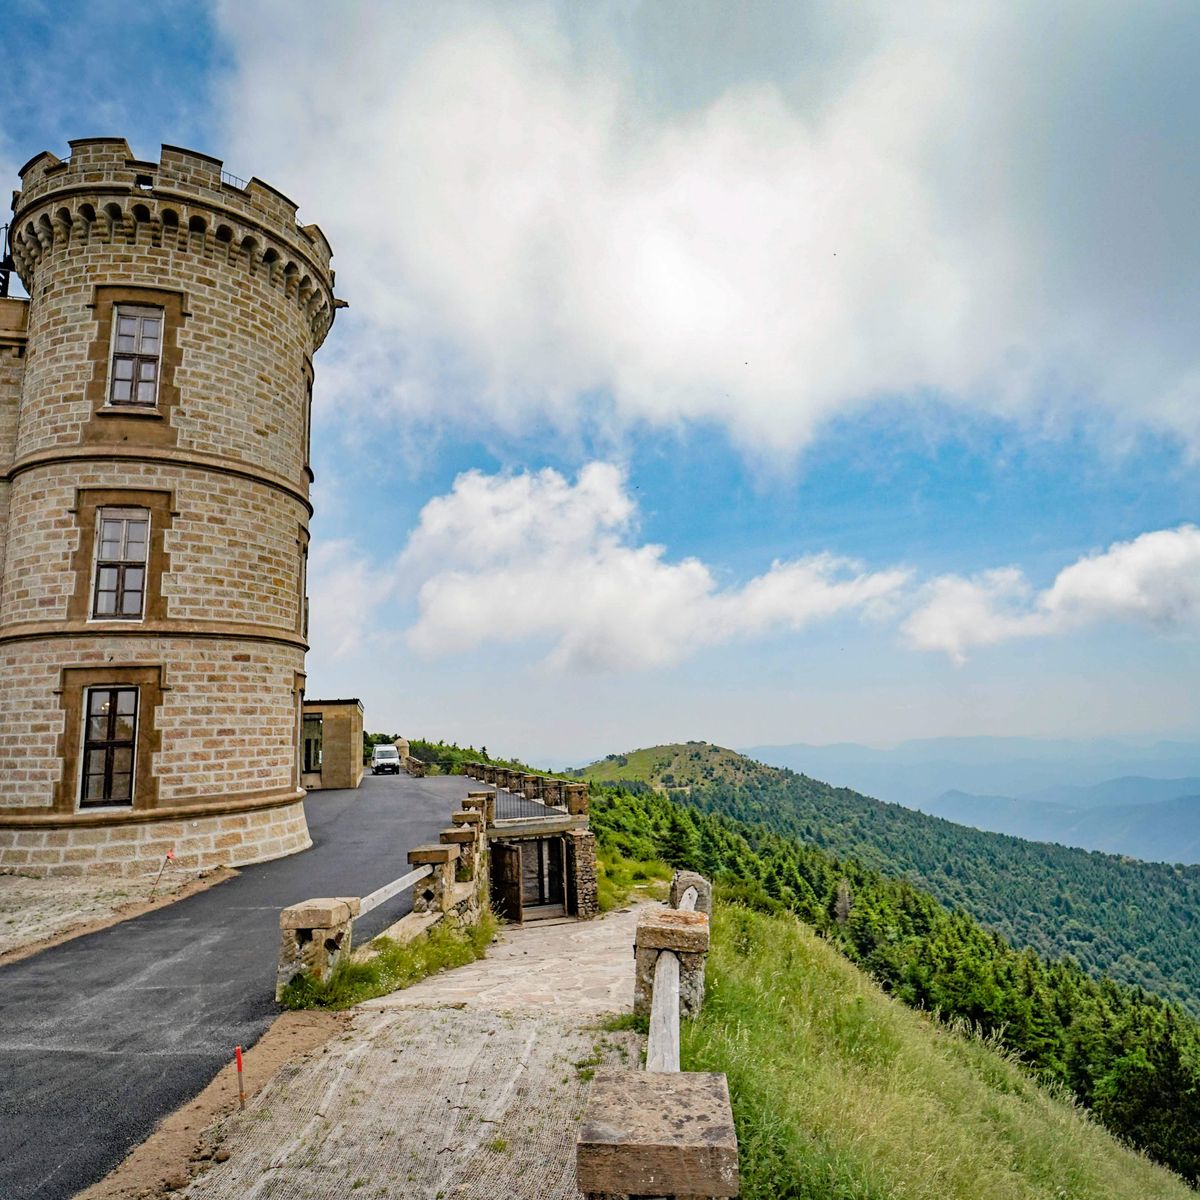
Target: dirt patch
[40, 913]
[189, 1140]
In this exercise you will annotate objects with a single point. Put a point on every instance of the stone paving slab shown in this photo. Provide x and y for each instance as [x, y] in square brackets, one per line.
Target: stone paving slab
[580, 967]
[470, 1085]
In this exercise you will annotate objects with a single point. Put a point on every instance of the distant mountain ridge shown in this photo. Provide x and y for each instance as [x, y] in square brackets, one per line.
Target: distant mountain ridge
[1165, 830]
[915, 772]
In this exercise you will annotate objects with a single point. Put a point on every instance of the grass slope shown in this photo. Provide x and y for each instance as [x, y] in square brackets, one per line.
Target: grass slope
[841, 1093]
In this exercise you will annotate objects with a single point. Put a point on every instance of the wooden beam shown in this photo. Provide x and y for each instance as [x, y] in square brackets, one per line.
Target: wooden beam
[377, 897]
[662, 1046]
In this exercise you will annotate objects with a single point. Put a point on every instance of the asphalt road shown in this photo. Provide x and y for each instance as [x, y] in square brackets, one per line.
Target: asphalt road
[103, 1036]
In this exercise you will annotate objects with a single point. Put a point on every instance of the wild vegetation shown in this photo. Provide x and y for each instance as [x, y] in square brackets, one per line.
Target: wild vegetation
[1132, 1058]
[839, 1091]
[394, 966]
[442, 758]
[1137, 922]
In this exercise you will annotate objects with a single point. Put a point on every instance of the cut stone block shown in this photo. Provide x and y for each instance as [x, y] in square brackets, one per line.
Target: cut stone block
[419, 855]
[322, 913]
[670, 930]
[461, 835]
[469, 817]
[657, 1135]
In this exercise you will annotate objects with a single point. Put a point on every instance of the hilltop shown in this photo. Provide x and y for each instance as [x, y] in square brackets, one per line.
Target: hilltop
[681, 765]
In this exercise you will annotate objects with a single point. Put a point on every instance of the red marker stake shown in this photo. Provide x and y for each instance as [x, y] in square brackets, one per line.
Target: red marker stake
[241, 1089]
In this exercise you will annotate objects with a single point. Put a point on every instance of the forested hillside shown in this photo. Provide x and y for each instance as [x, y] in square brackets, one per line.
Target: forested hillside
[1132, 1058]
[1139, 922]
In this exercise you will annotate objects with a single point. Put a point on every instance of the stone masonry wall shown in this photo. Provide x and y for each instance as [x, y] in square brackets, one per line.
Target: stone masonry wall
[134, 849]
[227, 719]
[234, 545]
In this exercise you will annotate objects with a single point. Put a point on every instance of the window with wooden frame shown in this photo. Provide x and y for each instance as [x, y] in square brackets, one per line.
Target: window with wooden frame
[136, 356]
[119, 579]
[109, 744]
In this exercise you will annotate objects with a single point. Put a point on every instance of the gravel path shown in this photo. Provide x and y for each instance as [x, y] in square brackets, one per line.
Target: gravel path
[468, 1086]
[34, 910]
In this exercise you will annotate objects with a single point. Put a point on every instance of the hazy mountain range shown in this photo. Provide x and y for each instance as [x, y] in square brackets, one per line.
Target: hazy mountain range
[1120, 797]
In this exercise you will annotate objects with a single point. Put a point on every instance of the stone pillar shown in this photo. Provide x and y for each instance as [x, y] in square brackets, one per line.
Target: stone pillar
[435, 892]
[552, 793]
[469, 843]
[577, 798]
[502, 774]
[582, 899]
[486, 804]
[489, 774]
[660, 1135]
[313, 938]
[686, 935]
[682, 880]
[531, 785]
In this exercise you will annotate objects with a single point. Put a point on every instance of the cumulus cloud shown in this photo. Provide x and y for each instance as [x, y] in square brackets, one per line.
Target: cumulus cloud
[532, 205]
[537, 557]
[1153, 580]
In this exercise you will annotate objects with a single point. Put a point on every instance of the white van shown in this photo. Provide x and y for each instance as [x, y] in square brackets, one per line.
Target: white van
[385, 759]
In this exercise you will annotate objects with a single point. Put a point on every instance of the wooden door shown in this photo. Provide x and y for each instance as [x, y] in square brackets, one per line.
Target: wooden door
[506, 881]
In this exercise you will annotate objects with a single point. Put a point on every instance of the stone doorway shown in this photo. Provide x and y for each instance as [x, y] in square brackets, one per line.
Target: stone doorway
[529, 878]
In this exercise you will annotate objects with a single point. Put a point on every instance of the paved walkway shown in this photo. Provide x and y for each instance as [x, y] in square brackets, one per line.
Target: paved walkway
[102, 1036]
[467, 1086]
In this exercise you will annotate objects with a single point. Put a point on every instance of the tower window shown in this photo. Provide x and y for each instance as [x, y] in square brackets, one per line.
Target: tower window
[136, 354]
[109, 741]
[122, 536]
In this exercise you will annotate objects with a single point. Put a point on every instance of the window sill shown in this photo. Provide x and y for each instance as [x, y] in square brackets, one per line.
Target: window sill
[130, 410]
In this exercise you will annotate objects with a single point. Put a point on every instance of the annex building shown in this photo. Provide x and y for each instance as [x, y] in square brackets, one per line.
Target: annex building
[155, 394]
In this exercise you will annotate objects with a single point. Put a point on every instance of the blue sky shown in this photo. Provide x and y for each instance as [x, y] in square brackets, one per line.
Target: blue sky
[759, 373]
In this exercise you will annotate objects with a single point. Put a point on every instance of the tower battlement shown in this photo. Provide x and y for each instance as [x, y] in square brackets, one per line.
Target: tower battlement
[184, 202]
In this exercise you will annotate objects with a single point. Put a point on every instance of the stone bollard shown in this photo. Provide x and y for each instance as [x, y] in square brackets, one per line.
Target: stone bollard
[502, 774]
[489, 774]
[682, 880]
[577, 798]
[487, 805]
[684, 933]
[531, 785]
[469, 843]
[435, 892]
[313, 938]
[669, 1136]
[552, 793]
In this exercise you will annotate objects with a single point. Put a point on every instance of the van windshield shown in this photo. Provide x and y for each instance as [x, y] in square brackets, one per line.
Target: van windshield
[386, 752]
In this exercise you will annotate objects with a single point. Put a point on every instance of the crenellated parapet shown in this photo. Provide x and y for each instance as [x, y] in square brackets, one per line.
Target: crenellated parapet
[183, 204]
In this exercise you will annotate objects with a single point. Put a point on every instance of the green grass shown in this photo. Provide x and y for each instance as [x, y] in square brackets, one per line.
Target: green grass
[620, 879]
[393, 967]
[840, 1093]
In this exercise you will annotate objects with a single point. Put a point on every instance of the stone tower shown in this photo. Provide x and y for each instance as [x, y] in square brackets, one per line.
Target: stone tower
[154, 481]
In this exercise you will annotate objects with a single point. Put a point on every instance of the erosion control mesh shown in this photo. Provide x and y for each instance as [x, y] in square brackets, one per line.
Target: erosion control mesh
[425, 1103]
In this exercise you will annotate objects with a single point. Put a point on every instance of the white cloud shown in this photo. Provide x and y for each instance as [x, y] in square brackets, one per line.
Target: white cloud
[1153, 580]
[524, 213]
[536, 558]
[346, 590]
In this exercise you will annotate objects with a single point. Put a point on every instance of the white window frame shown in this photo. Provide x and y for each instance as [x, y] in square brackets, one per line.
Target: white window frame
[119, 513]
[134, 310]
